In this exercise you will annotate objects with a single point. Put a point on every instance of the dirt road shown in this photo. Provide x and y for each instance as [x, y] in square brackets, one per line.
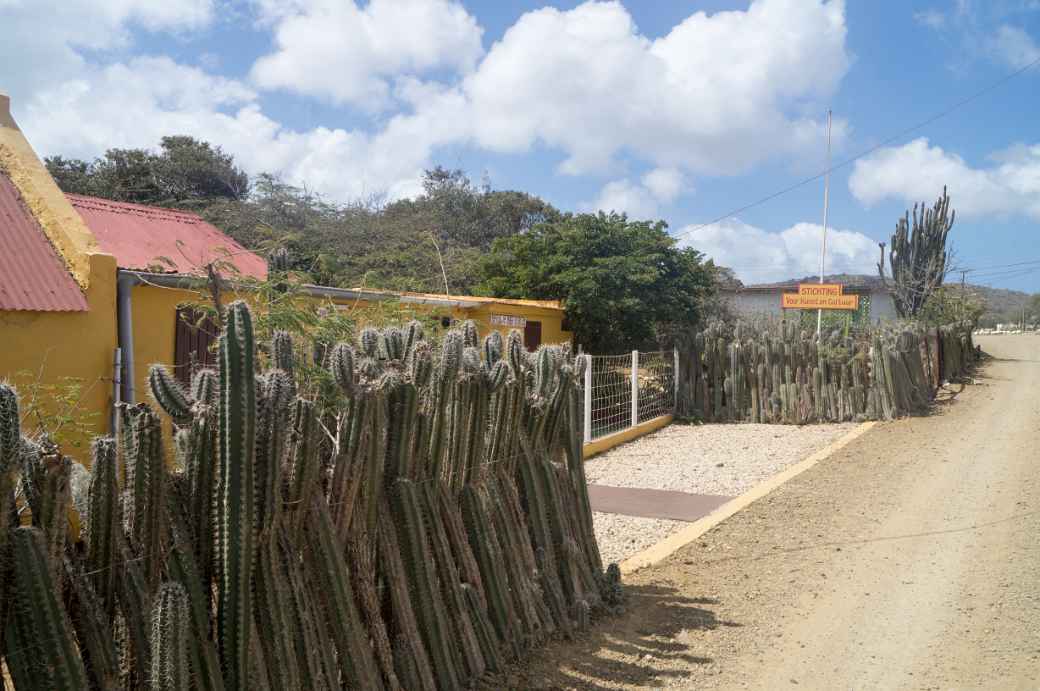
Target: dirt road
[910, 559]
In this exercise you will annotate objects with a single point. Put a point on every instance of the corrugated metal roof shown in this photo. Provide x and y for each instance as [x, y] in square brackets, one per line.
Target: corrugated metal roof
[139, 235]
[33, 276]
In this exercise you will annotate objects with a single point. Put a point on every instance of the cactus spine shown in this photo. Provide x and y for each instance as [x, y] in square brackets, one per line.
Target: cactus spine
[169, 394]
[237, 502]
[170, 639]
[42, 634]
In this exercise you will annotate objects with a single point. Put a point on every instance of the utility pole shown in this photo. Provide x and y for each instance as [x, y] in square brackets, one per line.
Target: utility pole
[826, 193]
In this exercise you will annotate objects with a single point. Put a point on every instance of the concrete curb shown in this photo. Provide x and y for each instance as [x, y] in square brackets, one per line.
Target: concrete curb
[674, 542]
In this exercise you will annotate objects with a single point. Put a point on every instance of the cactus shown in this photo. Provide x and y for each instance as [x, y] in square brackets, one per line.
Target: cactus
[170, 639]
[10, 427]
[104, 522]
[341, 366]
[282, 354]
[498, 376]
[470, 335]
[169, 394]
[143, 493]
[420, 365]
[236, 553]
[205, 386]
[393, 343]
[278, 261]
[493, 345]
[369, 339]
[43, 635]
[413, 335]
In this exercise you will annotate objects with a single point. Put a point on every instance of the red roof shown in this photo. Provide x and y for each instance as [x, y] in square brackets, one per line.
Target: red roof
[139, 235]
[32, 275]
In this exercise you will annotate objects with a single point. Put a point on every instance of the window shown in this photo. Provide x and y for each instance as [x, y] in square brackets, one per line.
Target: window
[532, 334]
[193, 346]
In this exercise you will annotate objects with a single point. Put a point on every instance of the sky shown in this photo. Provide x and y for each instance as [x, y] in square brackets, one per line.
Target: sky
[688, 112]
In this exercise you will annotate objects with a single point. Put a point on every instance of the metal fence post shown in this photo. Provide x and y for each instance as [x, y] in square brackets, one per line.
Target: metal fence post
[635, 388]
[675, 379]
[588, 398]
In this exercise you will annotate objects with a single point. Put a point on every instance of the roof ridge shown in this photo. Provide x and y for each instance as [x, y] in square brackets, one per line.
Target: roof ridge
[134, 207]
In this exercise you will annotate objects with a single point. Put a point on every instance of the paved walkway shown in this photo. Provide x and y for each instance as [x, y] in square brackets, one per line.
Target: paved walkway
[654, 503]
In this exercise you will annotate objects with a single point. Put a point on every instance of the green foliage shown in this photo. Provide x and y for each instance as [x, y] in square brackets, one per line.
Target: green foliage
[54, 409]
[623, 282]
[185, 172]
[948, 304]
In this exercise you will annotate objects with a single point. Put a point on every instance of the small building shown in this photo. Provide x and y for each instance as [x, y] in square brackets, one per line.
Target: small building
[875, 298]
[96, 291]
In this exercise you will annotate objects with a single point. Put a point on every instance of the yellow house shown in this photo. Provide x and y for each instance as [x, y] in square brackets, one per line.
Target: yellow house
[93, 290]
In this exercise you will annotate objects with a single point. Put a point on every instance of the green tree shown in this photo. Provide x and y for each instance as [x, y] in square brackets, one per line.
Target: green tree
[185, 172]
[624, 283]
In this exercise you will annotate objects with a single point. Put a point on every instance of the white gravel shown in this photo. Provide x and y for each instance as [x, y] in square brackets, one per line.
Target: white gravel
[700, 459]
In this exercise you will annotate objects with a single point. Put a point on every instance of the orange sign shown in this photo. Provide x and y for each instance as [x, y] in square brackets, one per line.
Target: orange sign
[819, 289]
[798, 301]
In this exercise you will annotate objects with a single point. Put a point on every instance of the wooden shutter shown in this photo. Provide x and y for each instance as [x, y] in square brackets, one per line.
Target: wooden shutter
[193, 346]
[532, 334]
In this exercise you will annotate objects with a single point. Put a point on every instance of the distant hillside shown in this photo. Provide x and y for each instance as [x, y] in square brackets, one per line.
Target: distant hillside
[1002, 305]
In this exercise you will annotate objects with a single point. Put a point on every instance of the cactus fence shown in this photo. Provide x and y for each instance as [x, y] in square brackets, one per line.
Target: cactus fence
[781, 375]
[416, 526]
[623, 391]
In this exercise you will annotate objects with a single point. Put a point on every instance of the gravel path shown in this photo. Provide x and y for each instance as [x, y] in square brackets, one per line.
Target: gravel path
[701, 459]
[908, 560]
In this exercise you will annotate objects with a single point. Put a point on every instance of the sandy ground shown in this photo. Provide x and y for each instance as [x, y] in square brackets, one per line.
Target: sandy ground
[908, 560]
[702, 459]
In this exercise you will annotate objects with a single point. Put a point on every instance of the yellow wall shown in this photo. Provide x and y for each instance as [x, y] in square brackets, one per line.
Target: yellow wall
[68, 344]
[552, 320]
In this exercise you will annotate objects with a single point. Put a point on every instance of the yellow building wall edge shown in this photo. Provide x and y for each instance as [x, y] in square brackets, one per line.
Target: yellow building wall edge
[618, 438]
[60, 222]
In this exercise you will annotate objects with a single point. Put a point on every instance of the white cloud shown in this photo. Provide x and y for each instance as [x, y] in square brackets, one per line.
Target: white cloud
[585, 81]
[664, 183]
[1015, 47]
[624, 196]
[640, 200]
[760, 256]
[917, 172]
[134, 104]
[43, 39]
[337, 50]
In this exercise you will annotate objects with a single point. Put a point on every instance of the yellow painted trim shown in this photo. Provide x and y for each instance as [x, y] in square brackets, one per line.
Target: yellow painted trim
[657, 553]
[611, 440]
[60, 222]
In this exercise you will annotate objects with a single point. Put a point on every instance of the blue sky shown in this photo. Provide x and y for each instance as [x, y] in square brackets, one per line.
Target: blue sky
[684, 111]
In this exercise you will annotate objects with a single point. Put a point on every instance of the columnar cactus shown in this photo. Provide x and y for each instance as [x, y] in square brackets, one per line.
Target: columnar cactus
[104, 522]
[236, 551]
[170, 639]
[169, 394]
[49, 657]
[341, 365]
[10, 427]
[282, 354]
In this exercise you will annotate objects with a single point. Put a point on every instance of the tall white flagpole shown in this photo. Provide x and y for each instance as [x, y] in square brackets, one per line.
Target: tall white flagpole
[826, 194]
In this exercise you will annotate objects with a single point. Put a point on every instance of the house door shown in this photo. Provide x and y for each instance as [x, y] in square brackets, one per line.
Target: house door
[193, 343]
[532, 335]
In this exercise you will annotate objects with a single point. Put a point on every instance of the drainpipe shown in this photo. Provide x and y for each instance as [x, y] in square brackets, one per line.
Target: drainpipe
[124, 288]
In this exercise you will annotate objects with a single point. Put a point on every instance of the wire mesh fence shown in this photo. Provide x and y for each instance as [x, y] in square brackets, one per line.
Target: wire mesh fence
[612, 386]
[656, 385]
[611, 394]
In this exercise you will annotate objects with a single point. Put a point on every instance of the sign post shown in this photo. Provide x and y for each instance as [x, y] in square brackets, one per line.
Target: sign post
[819, 296]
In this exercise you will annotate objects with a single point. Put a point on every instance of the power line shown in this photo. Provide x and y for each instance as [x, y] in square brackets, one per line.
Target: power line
[902, 133]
